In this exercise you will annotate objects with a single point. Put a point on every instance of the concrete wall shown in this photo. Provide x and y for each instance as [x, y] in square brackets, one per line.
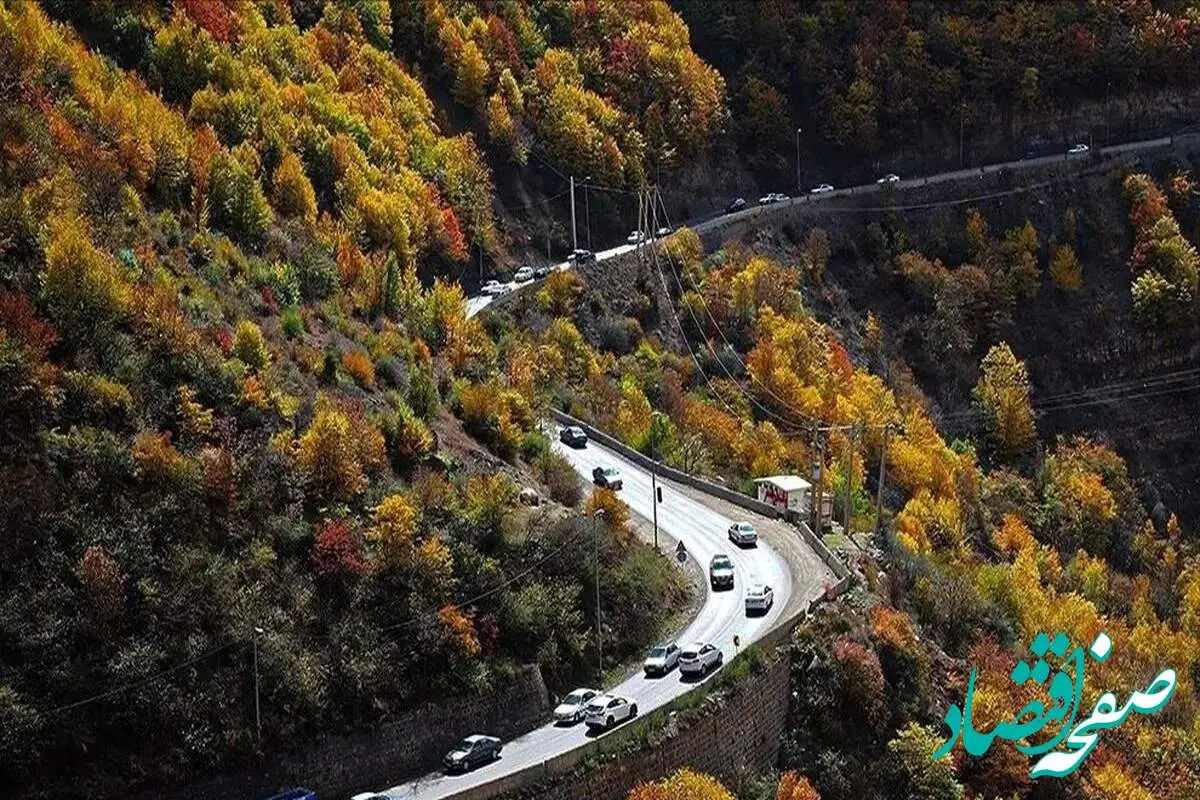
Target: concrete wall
[670, 473]
[409, 745]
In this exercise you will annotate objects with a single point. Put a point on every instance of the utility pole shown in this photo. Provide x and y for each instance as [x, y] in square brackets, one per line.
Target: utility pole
[887, 430]
[654, 495]
[846, 509]
[257, 708]
[962, 120]
[574, 238]
[799, 184]
[1107, 115]
[819, 469]
[587, 215]
[598, 515]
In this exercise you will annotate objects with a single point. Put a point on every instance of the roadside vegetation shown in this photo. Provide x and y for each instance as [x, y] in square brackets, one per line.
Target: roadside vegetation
[222, 389]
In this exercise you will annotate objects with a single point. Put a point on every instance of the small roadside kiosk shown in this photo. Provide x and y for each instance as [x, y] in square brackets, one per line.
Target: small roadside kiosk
[791, 494]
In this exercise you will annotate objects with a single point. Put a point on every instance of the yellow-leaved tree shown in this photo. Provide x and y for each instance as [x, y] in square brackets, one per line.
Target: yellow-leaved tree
[682, 785]
[1003, 395]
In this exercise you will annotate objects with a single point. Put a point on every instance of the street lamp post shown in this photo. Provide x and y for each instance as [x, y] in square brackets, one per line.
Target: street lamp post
[799, 183]
[257, 708]
[596, 516]
[587, 211]
[962, 120]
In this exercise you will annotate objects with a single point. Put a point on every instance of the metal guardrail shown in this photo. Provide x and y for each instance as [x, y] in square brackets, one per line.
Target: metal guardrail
[708, 487]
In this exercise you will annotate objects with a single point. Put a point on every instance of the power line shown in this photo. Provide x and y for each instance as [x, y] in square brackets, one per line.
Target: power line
[484, 595]
[815, 424]
[144, 681]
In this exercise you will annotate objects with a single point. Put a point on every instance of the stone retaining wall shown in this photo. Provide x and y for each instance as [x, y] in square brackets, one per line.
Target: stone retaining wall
[407, 746]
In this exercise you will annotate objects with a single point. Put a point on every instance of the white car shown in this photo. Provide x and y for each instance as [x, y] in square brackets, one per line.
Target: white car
[1078, 149]
[494, 288]
[370, 796]
[743, 533]
[759, 598]
[608, 710]
[661, 659]
[573, 707]
[891, 177]
[821, 189]
[637, 237]
[664, 231]
[607, 478]
[523, 274]
[700, 659]
[773, 197]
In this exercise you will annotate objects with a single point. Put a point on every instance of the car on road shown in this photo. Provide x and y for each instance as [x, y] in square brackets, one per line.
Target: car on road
[1029, 156]
[720, 572]
[581, 256]
[737, 204]
[294, 794]
[608, 710]
[573, 436]
[636, 237]
[370, 796]
[743, 533]
[772, 197]
[1078, 149]
[573, 707]
[821, 188]
[891, 177]
[472, 752]
[759, 598]
[661, 659]
[523, 274]
[607, 478]
[663, 231]
[494, 288]
[700, 658]
[541, 272]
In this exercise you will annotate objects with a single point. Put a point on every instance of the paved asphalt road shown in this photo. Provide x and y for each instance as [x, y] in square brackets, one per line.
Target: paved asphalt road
[477, 304]
[703, 532]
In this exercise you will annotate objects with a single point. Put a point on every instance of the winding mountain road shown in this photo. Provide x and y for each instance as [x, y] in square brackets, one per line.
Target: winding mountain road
[889, 191]
[701, 525]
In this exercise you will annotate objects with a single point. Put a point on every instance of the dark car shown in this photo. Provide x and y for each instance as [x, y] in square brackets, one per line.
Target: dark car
[471, 752]
[607, 478]
[581, 256]
[295, 794]
[736, 205]
[540, 272]
[573, 436]
[720, 572]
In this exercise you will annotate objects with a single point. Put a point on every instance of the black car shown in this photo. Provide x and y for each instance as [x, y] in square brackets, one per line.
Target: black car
[573, 436]
[540, 272]
[737, 205]
[472, 752]
[581, 256]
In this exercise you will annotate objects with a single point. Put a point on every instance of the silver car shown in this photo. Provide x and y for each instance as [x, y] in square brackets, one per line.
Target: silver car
[700, 659]
[661, 659]
[573, 707]
[759, 599]
[821, 189]
[743, 533]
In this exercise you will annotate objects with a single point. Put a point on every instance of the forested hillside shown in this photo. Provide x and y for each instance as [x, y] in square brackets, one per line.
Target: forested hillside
[868, 81]
[242, 407]
[222, 387]
[995, 536]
